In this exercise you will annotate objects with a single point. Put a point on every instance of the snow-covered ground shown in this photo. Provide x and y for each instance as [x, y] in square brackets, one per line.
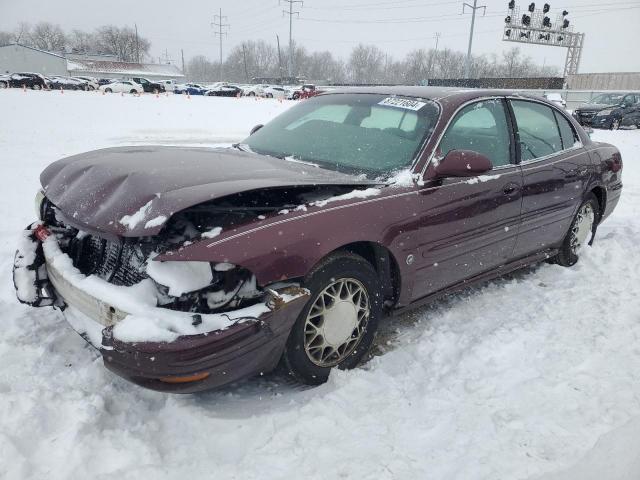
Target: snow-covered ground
[536, 376]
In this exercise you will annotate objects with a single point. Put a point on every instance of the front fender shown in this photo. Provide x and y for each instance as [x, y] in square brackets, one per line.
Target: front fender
[288, 246]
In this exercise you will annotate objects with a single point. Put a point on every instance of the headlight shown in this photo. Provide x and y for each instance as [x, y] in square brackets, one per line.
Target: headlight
[38, 203]
[604, 113]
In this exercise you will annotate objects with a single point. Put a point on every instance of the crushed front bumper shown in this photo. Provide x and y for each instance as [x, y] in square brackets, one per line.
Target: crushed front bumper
[189, 363]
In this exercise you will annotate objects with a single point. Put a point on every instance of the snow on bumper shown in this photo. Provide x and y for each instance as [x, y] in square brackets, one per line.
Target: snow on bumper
[160, 348]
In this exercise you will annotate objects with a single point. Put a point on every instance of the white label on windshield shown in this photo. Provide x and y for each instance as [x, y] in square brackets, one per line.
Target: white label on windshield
[405, 103]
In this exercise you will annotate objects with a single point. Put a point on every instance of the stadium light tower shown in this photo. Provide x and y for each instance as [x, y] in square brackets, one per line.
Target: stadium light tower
[534, 26]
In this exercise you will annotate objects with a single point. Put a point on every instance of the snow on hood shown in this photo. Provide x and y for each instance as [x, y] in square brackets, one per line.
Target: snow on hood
[133, 191]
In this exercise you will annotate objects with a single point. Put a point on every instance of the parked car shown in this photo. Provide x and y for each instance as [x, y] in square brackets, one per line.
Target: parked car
[611, 103]
[29, 80]
[122, 86]
[224, 91]
[4, 81]
[106, 81]
[251, 90]
[169, 85]
[631, 120]
[276, 92]
[611, 117]
[67, 83]
[306, 91]
[190, 268]
[149, 86]
[556, 98]
[190, 88]
[92, 82]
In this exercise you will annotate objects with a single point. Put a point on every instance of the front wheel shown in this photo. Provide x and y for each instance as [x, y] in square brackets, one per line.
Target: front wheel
[338, 325]
[108, 90]
[36, 86]
[581, 233]
[4, 84]
[615, 124]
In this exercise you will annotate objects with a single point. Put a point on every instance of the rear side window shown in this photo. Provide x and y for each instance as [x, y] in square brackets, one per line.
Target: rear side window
[481, 127]
[567, 133]
[537, 128]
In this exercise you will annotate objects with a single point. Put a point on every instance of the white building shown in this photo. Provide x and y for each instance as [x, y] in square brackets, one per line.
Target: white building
[20, 58]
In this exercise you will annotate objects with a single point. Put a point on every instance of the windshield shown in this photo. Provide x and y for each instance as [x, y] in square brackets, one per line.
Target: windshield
[608, 99]
[356, 133]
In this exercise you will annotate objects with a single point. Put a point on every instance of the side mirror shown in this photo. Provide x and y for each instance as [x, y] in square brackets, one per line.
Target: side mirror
[462, 163]
[255, 129]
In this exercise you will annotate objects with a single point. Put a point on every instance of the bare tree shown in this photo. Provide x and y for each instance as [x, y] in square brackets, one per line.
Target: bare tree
[366, 64]
[80, 41]
[6, 38]
[122, 43]
[47, 36]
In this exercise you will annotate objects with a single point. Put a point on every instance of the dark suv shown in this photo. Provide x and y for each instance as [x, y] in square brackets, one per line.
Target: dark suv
[30, 80]
[606, 110]
[149, 86]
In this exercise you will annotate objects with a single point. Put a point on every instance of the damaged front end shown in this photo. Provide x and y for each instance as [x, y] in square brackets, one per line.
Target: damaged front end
[170, 326]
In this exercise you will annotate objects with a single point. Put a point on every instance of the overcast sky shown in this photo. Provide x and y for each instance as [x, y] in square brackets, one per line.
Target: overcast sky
[612, 27]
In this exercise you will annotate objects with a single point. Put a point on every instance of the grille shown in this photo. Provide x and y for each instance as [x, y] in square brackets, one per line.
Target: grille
[118, 262]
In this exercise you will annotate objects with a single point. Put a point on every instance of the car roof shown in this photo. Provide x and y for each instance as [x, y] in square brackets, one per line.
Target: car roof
[431, 93]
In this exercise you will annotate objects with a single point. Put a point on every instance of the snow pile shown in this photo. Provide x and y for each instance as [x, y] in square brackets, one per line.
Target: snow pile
[533, 377]
[145, 321]
[180, 277]
[23, 276]
[130, 221]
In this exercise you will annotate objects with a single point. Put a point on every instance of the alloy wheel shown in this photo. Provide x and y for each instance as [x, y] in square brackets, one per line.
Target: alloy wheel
[336, 322]
[582, 227]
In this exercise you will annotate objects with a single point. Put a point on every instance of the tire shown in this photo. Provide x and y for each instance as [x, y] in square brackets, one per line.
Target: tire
[133, 91]
[36, 86]
[615, 124]
[251, 94]
[108, 90]
[269, 95]
[4, 85]
[589, 211]
[343, 335]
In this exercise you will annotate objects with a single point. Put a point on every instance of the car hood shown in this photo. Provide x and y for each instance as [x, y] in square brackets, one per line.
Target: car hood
[590, 107]
[133, 191]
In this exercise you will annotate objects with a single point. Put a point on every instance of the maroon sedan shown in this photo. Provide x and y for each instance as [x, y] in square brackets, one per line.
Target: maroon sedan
[189, 268]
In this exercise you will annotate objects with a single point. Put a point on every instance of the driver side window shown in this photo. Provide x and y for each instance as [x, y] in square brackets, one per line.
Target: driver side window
[481, 127]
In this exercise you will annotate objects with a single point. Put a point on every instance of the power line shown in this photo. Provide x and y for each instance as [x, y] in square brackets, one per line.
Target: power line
[217, 22]
[291, 13]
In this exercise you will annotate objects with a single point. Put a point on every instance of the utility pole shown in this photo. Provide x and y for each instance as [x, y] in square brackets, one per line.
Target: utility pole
[217, 22]
[182, 54]
[244, 56]
[291, 13]
[432, 59]
[474, 7]
[137, 44]
[279, 57]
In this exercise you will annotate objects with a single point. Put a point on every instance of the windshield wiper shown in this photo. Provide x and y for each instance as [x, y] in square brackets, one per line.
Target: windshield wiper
[243, 147]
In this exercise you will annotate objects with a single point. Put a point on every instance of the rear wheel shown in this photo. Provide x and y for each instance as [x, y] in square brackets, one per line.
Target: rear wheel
[133, 92]
[615, 124]
[581, 232]
[108, 90]
[338, 325]
[36, 86]
[4, 84]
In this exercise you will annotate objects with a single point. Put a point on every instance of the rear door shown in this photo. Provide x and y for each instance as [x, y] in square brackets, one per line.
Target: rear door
[555, 169]
[469, 225]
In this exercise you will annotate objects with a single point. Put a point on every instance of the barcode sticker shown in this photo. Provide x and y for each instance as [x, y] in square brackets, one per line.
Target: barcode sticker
[405, 103]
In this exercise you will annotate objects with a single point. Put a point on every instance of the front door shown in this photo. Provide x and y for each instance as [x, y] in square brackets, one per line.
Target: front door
[468, 226]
